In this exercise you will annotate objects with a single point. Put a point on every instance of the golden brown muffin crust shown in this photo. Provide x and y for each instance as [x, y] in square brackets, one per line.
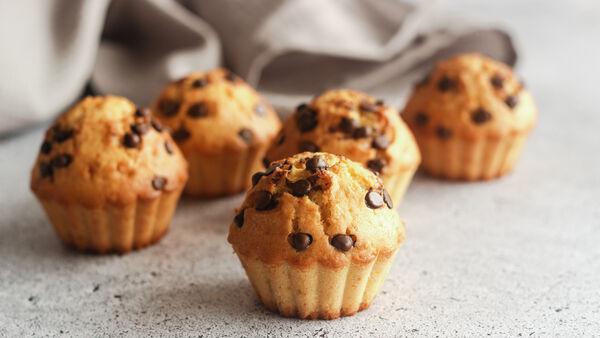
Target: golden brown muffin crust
[470, 96]
[316, 207]
[105, 149]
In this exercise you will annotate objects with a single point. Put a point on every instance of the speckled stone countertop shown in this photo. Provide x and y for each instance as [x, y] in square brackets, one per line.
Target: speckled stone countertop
[511, 257]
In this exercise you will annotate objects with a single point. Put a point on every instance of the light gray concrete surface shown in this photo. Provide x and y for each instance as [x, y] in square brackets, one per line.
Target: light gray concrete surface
[519, 256]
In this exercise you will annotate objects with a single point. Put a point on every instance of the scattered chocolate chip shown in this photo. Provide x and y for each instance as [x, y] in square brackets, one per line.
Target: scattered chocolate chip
[308, 146]
[300, 241]
[418, 40]
[62, 160]
[281, 139]
[376, 164]
[246, 135]
[380, 142]
[266, 162]
[388, 199]
[238, 220]
[169, 147]
[256, 177]
[159, 182]
[347, 125]
[446, 84]
[362, 132]
[264, 200]
[131, 140]
[142, 112]
[374, 199]
[306, 118]
[230, 76]
[342, 242]
[367, 106]
[197, 110]
[168, 107]
[46, 147]
[61, 136]
[316, 163]
[511, 101]
[260, 109]
[140, 128]
[421, 118]
[46, 170]
[480, 116]
[157, 126]
[96, 288]
[443, 133]
[497, 81]
[180, 134]
[300, 188]
[199, 83]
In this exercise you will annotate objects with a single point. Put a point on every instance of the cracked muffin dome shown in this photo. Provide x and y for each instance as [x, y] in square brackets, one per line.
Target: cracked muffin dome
[470, 116]
[223, 127]
[355, 125]
[108, 175]
[316, 235]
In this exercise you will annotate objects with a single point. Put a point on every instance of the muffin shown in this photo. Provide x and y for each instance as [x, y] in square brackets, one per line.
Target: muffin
[222, 126]
[108, 176]
[317, 235]
[355, 125]
[471, 117]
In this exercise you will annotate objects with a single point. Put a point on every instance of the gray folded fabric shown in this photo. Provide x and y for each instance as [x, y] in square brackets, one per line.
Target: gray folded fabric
[290, 50]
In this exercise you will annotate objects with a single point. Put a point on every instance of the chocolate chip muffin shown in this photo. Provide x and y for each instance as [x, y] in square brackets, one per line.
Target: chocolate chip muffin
[355, 125]
[470, 116]
[108, 176]
[222, 126]
[317, 235]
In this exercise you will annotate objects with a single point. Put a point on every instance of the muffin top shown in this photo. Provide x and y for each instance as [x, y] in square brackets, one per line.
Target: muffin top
[470, 96]
[215, 111]
[352, 124]
[106, 150]
[316, 207]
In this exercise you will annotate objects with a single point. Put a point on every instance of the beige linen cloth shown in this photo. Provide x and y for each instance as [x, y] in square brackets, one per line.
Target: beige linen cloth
[289, 49]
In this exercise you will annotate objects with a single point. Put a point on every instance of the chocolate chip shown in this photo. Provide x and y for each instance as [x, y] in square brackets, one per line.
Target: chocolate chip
[142, 112]
[266, 162]
[362, 132]
[421, 118]
[418, 40]
[260, 109]
[197, 110]
[180, 134]
[300, 188]
[168, 107]
[376, 164]
[511, 101]
[46, 170]
[61, 136]
[316, 163]
[497, 81]
[264, 200]
[300, 241]
[199, 83]
[388, 199]
[367, 106]
[157, 126]
[131, 140]
[230, 76]
[62, 160]
[342, 242]
[347, 125]
[271, 168]
[380, 142]
[238, 220]
[256, 177]
[446, 83]
[159, 182]
[480, 116]
[306, 118]
[246, 135]
[169, 147]
[140, 128]
[46, 147]
[380, 102]
[281, 139]
[443, 133]
[374, 199]
[308, 146]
